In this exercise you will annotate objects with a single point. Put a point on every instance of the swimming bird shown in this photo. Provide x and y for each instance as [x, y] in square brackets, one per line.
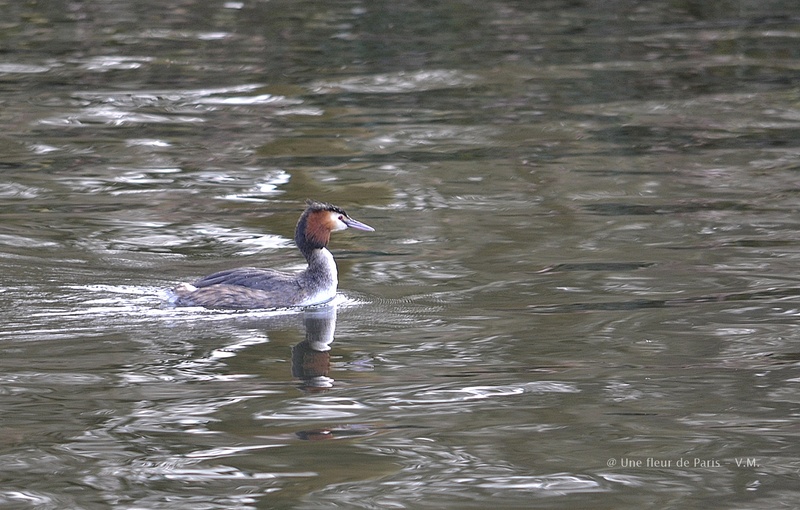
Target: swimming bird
[251, 287]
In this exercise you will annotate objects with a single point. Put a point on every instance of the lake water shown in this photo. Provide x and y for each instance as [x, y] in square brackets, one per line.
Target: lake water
[582, 290]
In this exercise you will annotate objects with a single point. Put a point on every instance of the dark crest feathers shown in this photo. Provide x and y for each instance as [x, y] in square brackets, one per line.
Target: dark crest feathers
[306, 239]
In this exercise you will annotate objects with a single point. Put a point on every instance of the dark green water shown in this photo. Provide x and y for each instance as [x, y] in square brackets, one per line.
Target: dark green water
[582, 291]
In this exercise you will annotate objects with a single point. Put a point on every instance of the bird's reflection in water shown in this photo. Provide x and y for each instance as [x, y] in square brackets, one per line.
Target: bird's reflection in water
[311, 363]
[311, 358]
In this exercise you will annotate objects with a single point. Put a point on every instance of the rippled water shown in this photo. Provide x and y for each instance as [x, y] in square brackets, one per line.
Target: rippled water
[582, 290]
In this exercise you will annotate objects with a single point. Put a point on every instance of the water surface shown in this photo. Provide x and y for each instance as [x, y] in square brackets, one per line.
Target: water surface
[581, 292]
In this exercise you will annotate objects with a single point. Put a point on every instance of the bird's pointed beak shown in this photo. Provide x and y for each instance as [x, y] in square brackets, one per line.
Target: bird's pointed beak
[350, 222]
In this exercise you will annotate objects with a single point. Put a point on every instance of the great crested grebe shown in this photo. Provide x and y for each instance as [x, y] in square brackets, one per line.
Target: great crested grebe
[250, 287]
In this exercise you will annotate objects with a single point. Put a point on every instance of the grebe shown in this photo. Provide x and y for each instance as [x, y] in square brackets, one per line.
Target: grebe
[250, 287]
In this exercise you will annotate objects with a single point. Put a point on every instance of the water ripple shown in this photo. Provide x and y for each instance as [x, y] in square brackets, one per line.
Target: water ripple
[392, 83]
[457, 395]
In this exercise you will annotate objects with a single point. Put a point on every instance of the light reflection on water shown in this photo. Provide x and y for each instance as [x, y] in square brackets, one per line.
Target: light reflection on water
[585, 255]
